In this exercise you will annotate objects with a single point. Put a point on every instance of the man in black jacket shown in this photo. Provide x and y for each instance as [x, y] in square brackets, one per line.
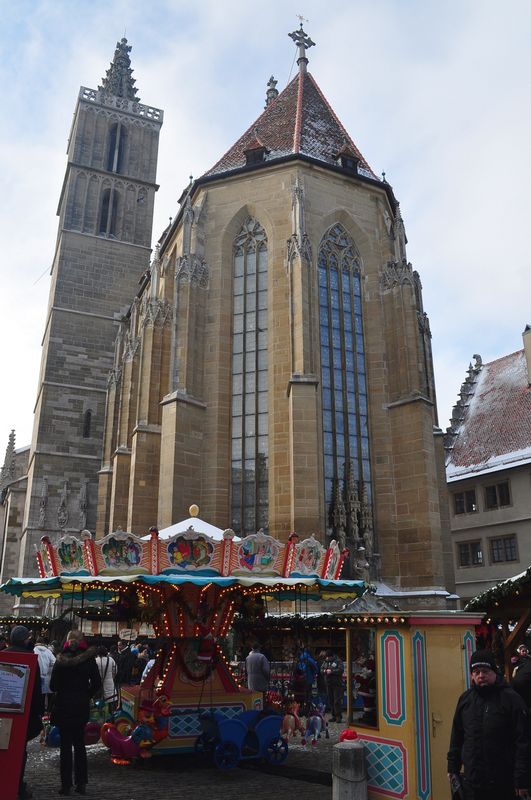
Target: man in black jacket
[490, 737]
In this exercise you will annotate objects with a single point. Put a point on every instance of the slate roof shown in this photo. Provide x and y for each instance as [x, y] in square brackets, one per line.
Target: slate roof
[298, 121]
[496, 431]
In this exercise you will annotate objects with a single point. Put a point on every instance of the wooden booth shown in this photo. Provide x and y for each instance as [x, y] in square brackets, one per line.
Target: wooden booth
[507, 611]
[403, 675]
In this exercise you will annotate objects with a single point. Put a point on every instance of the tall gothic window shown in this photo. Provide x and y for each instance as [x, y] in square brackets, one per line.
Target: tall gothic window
[249, 482]
[116, 148]
[343, 377]
[108, 212]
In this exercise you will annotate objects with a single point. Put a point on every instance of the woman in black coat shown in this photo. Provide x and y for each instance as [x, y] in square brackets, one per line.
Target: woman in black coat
[75, 679]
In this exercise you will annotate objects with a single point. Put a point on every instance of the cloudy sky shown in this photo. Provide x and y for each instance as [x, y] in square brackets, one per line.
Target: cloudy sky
[437, 94]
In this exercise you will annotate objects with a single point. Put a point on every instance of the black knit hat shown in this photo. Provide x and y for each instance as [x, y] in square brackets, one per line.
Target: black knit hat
[19, 634]
[483, 658]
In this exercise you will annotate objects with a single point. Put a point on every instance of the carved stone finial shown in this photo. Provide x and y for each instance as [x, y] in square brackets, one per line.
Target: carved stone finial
[155, 272]
[303, 42]
[8, 470]
[271, 92]
[339, 515]
[83, 504]
[118, 79]
[299, 243]
[43, 503]
[399, 232]
[62, 511]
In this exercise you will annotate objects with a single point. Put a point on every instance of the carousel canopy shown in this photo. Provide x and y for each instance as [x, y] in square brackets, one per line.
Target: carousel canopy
[102, 586]
[190, 556]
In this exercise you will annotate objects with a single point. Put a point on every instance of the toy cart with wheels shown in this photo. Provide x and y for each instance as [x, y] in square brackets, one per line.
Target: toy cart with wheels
[251, 734]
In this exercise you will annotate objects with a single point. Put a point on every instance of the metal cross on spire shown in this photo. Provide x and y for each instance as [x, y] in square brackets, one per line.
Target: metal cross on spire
[303, 42]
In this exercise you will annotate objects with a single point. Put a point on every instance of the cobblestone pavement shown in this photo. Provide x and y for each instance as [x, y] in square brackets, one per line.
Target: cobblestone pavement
[306, 773]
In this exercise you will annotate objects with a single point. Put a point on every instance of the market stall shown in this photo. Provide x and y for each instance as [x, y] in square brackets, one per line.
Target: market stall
[507, 615]
[403, 675]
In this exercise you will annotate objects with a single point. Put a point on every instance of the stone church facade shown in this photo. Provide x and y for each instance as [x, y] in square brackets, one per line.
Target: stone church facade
[274, 366]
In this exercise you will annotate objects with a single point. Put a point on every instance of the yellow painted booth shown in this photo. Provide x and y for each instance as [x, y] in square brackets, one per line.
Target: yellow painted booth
[403, 711]
[403, 674]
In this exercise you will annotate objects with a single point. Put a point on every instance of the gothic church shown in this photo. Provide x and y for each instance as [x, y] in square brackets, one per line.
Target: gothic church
[273, 362]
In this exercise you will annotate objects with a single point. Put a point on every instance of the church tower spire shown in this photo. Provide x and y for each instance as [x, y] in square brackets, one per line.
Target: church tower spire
[303, 42]
[119, 79]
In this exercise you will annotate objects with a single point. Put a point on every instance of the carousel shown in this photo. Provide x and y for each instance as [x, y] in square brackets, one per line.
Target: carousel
[187, 587]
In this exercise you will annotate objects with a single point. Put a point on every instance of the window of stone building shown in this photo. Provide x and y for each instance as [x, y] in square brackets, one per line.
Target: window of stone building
[116, 148]
[470, 554]
[497, 495]
[503, 548]
[364, 679]
[343, 374]
[249, 460]
[87, 424]
[465, 502]
[110, 199]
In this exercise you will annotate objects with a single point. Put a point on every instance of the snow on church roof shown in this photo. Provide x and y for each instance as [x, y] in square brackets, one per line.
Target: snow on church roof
[299, 121]
[496, 431]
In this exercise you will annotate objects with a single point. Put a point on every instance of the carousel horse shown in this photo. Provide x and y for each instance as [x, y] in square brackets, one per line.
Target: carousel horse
[291, 722]
[315, 723]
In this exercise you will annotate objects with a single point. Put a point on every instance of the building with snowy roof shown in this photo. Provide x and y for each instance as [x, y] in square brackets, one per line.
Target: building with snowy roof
[488, 469]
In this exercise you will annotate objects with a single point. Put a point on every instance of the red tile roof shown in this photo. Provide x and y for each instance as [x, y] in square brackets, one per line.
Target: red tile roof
[496, 431]
[299, 120]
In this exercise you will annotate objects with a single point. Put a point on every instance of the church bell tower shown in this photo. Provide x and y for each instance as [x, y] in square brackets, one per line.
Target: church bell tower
[102, 251]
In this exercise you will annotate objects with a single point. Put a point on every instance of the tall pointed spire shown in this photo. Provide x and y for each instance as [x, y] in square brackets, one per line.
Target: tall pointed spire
[119, 79]
[303, 42]
[7, 472]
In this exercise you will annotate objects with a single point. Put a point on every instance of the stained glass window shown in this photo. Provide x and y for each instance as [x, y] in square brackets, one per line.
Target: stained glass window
[344, 388]
[249, 480]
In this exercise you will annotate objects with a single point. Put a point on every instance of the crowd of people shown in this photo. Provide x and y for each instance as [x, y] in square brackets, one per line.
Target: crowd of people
[69, 678]
[325, 673]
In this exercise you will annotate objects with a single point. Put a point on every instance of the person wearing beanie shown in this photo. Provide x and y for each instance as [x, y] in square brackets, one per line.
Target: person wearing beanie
[21, 641]
[490, 737]
[75, 679]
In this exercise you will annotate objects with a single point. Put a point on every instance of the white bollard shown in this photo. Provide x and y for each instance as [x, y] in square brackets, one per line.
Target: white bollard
[349, 776]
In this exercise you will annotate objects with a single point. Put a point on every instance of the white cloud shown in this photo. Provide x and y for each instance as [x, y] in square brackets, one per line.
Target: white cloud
[437, 95]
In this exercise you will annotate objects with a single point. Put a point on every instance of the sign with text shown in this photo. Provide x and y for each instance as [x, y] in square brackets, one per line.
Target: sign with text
[13, 687]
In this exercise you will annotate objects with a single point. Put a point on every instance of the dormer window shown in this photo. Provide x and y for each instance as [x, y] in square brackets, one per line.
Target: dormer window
[255, 156]
[347, 162]
[256, 151]
[347, 158]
